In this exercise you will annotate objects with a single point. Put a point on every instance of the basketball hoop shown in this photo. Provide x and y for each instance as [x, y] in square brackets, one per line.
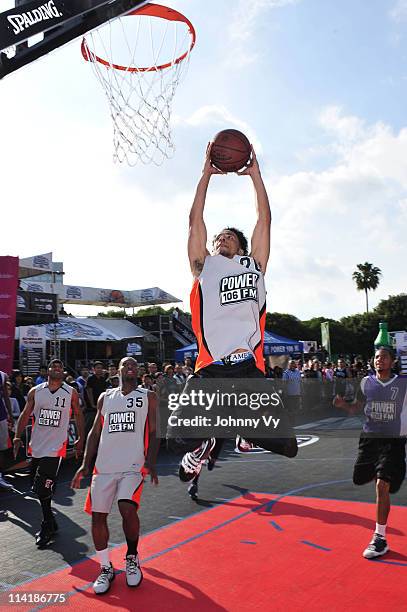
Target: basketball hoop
[140, 94]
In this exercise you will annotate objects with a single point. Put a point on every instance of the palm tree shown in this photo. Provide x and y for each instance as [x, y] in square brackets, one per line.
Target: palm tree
[366, 277]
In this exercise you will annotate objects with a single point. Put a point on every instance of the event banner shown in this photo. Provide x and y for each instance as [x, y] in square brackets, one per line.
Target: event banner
[73, 294]
[8, 301]
[32, 349]
[325, 338]
[401, 349]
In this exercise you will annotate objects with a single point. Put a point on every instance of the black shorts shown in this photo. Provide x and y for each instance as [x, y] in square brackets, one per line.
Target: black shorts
[286, 446]
[46, 466]
[383, 458]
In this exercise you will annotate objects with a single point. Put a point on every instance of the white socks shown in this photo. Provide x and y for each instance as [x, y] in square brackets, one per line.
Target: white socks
[381, 530]
[103, 556]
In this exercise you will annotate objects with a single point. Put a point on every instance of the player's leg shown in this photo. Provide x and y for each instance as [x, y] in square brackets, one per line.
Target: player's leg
[366, 469]
[195, 451]
[390, 470]
[44, 473]
[287, 447]
[215, 452]
[129, 495]
[100, 500]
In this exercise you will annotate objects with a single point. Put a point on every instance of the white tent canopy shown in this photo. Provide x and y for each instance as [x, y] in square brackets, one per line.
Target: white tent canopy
[92, 329]
[87, 296]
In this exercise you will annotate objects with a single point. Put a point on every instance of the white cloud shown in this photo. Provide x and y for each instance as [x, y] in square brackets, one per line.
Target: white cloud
[399, 11]
[327, 222]
[216, 117]
[346, 129]
[242, 28]
[247, 14]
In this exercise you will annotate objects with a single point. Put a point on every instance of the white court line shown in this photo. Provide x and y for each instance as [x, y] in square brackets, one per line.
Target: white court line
[177, 518]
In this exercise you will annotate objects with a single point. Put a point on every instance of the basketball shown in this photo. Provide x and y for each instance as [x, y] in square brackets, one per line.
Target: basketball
[230, 151]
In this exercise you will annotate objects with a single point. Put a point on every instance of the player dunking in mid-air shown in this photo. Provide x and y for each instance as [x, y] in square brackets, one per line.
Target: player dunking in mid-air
[50, 405]
[228, 306]
[124, 437]
[382, 444]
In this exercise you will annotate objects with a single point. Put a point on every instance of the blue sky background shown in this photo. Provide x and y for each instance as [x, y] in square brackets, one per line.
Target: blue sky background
[319, 86]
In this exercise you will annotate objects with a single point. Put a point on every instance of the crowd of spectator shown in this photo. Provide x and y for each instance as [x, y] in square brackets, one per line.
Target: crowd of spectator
[311, 384]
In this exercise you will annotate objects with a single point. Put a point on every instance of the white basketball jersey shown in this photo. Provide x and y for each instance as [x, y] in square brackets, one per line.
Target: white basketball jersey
[122, 443]
[52, 412]
[228, 306]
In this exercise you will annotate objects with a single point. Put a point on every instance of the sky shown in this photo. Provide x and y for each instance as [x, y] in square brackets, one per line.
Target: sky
[320, 89]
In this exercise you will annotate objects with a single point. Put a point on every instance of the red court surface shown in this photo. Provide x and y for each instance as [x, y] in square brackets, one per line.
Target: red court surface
[255, 552]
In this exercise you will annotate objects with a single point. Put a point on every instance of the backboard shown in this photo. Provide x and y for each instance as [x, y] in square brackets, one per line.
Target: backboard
[33, 28]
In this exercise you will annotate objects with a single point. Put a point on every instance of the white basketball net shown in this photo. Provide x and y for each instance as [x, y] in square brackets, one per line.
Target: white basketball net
[138, 60]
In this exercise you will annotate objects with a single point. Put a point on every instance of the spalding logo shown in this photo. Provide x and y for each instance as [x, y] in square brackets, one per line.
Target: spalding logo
[30, 18]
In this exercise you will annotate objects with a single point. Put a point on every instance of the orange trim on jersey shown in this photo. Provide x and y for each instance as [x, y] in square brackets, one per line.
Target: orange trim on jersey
[137, 494]
[259, 350]
[62, 451]
[29, 448]
[88, 501]
[146, 434]
[204, 357]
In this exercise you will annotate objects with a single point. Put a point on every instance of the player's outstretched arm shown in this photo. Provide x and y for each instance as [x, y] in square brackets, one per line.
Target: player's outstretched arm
[260, 246]
[197, 237]
[153, 440]
[23, 420]
[92, 444]
[80, 424]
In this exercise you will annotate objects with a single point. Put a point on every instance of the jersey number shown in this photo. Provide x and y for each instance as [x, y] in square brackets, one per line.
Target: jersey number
[62, 402]
[130, 402]
[246, 261]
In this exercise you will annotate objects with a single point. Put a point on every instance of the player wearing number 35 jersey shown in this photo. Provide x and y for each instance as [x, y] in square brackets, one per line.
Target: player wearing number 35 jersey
[124, 437]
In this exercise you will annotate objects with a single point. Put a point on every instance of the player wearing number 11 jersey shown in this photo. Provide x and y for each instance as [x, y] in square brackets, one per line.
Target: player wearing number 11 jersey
[50, 406]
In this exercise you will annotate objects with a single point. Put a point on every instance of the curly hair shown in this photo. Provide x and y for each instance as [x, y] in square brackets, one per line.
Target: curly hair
[239, 235]
[387, 348]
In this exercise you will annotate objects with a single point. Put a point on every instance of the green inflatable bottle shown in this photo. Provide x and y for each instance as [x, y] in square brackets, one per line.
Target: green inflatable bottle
[382, 338]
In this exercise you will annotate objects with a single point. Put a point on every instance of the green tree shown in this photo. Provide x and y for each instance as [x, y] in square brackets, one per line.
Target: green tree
[394, 311]
[113, 314]
[362, 331]
[286, 325]
[366, 278]
[342, 339]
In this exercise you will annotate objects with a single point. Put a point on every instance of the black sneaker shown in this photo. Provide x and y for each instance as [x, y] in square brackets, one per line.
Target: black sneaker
[53, 526]
[191, 463]
[377, 547]
[45, 534]
[193, 489]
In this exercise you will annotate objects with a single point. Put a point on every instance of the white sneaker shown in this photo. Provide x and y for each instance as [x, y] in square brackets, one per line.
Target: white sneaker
[192, 462]
[4, 484]
[104, 580]
[134, 575]
[377, 547]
